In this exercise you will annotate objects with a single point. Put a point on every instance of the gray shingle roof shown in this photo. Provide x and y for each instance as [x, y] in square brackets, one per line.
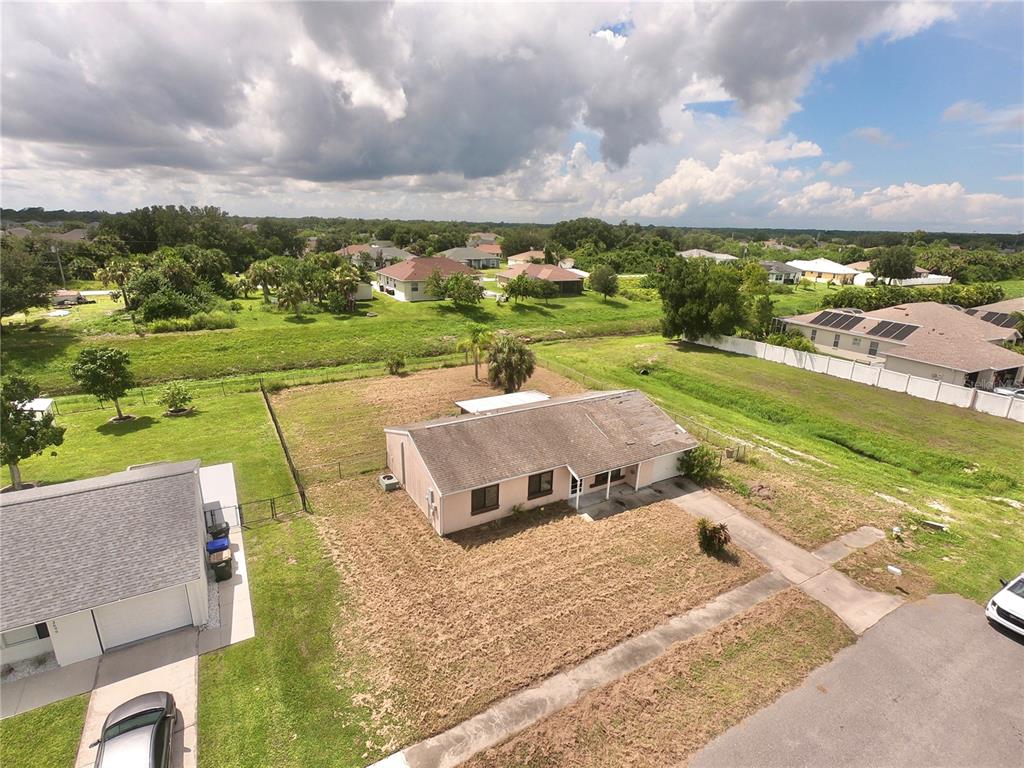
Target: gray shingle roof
[589, 433]
[466, 254]
[73, 546]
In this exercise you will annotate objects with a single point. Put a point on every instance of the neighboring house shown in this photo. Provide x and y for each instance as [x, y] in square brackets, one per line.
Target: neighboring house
[64, 298]
[700, 253]
[999, 313]
[776, 245]
[95, 564]
[250, 227]
[921, 276]
[492, 248]
[825, 270]
[569, 283]
[781, 274]
[463, 471]
[407, 279]
[926, 339]
[72, 235]
[526, 257]
[481, 238]
[18, 231]
[472, 257]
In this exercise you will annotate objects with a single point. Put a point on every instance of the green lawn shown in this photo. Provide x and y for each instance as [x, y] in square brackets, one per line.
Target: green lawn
[270, 340]
[867, 440]
[44, 737]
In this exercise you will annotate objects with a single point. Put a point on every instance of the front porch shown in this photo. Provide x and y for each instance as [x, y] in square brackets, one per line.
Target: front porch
[623, 497]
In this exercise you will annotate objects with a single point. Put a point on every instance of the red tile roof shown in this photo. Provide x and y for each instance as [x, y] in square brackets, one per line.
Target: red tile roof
[492, 248]
[550, 272]
[422, 268]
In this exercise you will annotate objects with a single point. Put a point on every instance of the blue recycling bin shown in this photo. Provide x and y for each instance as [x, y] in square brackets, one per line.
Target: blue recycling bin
[217, 545]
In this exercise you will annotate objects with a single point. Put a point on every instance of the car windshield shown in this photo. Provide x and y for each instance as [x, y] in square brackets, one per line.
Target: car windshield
[149, 717]
[1016, 588]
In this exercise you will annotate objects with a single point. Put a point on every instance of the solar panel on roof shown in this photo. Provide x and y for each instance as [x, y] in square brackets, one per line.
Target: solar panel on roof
[877, 330]
[1009, 321]
[892, 330]
[849, 322]
[835, 320]
[990, 317]
[903, 332]
[817, 320]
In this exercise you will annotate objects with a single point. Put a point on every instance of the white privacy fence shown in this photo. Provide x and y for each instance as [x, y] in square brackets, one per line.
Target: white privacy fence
[940, 392]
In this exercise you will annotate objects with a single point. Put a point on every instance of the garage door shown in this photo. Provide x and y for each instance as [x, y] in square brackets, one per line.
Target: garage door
[142, 616]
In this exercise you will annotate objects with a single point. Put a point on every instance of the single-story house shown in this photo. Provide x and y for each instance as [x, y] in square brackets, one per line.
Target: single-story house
[527, 257]
[492, 248]
[999, 313]
[72, 235]
[700, 253]
[406, 280]
[926, 339]
[824, 270]
[782, 274]
[921, 276]
[478, 238]
[472, 257]
[374, 255]
[568, 282]
[91, 565]
[65, 298]
[467, 470]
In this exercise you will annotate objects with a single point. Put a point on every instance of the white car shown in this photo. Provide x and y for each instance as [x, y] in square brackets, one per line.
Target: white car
[1006, 607]
[1011, 391]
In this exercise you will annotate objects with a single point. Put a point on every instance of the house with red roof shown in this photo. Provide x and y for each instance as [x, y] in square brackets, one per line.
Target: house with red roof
[568, 282]
[406, 280]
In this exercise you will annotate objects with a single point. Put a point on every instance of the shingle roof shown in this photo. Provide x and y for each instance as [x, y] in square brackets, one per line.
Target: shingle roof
[590, 433]
[1006, 305]
[422, 268]
[780, 267]
[698, 253]
[945, 336]
[822, 265]
[527, 256]
[551, 272]
[492, 248]
[73, 546]
[466, 254]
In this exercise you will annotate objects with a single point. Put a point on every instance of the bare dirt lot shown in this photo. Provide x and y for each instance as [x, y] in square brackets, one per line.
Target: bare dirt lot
[663, 713]
[441, 627]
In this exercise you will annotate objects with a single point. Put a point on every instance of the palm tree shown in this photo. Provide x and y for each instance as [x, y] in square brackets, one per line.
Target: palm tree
[1019, 317]
[346, 282]
[291, 296]
[118, 271]
[263, 274]
[510, 363]
[478, 340]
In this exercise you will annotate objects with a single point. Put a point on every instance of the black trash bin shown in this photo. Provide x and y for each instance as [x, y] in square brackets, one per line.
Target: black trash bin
[222, 564]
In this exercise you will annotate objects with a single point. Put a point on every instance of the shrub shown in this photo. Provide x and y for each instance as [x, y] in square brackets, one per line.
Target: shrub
[175, 396]
[712, 537]
[792, 340]
[395, 363]
[167, 303]
[203, 321]
[700, 465]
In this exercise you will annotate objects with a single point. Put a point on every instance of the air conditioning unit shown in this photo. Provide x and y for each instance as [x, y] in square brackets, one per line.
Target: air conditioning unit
[389, 482]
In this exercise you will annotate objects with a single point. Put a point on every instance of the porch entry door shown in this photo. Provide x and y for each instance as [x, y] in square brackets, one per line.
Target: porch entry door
[575, 485]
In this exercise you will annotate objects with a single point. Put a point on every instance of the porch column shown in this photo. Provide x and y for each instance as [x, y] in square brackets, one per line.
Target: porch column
[608, 486]
[636, 480]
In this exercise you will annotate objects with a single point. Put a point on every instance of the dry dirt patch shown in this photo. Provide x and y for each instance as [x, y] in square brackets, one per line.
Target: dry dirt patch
[450, 625]
[663, 713]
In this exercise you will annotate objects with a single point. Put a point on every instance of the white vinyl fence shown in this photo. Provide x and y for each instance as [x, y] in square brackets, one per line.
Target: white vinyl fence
[963, 397]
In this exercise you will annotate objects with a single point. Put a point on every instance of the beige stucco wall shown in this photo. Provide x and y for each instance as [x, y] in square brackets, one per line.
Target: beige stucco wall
[455, 507]
[416, 480]
[661, 468]
[851, 346]
[74, 638]
[828, 277]
[26, 650]
[925, 371]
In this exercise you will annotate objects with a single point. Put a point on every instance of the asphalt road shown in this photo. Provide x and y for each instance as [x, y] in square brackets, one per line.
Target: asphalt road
[932, 684]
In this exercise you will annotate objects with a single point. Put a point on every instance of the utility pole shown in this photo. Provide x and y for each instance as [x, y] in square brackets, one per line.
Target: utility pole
[56, 252]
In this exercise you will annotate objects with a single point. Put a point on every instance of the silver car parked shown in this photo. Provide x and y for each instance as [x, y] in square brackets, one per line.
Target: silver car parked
[137, 734]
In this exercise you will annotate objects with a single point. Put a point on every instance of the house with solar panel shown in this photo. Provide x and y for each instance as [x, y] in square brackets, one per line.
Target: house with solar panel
[926, 339]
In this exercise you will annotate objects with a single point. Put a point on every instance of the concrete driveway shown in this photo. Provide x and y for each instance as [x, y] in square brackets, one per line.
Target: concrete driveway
[932, 684]
[165, 663]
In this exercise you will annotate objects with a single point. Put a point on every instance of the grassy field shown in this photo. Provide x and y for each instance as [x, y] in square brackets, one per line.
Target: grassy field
[835, 454]
[47, 736]
[664, 712]
[451, 624]
[268, 340]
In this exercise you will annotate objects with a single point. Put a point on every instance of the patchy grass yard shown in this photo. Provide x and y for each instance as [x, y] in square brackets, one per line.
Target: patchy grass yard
[268, 340]
[47, 736]
[833, 455]
[441, 627]
[666, 711]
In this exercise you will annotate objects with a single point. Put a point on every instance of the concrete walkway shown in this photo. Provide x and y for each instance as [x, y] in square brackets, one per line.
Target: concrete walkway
[858, 607]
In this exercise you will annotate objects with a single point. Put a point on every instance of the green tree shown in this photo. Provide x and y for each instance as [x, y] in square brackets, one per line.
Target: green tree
[119, 271]
[345, 280]
[604, 280]
[176, 396]
[23, 433]
[518, 287]
[263, 274]
[755, 279]
[25, 280]
[478, 340]
[104, 372]
[760, 314]
[463, 289]
[896, 263]
[700, 298]
[291, 296]
[435, 285]
[509, 363]
[544, 289]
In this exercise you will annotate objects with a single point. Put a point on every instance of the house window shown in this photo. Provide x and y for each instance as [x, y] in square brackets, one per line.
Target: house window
[25, 635]
[541, 485]
[835, 341]
[575, 485]
[415, 287]
[873, 348]
[814, 334]
[856, 341]
[602, 478]
[484, 500]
